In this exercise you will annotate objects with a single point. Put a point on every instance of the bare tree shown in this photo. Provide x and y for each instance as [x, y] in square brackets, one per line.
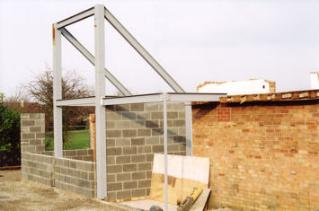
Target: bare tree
[73, 86]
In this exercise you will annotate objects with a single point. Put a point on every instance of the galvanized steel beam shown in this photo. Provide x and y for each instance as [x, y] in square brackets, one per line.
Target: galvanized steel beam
[88, 101]
[142, 51]
[57, 92]
[86, 53]
[75, 18]
[157, 97]
[150, 98]
[165, 138]
[188, 127]
[99, 32]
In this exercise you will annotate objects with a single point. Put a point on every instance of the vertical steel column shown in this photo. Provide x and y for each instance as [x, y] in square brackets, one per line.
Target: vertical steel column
[57, 92]
[99, 108]
[165, 197]
[188, 127]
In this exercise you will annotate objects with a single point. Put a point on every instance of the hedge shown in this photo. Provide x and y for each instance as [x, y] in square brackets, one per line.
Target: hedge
[9, 137]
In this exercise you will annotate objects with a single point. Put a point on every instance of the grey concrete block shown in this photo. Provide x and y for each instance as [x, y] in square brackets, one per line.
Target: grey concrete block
[144, 166]
[123, 107]
[129, 150]
[144, 184]
[122, 142]
[172, 115]
[110, 142]
[144, 132]
[123, 177]
[157, 148]
[27, 122]
[130, 185]
[125, 195]
[122, 124]
[114, 151]
[157, 131]
[138, 175]
[111, 178]
[35, 129]
[152, 124]
[156, 115]
[137, 107]
[114, 186]
[129, 133]
[152, 140]
[128, 115]
[138, 192]
[137, 141]
[123, 159]
[129, 167]
[114, 168]
[144, 149]
[28, 135]
[138, 158]
[111, 195]
[110, 160]
[113, 133]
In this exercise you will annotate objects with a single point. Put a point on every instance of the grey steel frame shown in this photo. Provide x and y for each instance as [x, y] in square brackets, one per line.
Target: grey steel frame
[100, 100]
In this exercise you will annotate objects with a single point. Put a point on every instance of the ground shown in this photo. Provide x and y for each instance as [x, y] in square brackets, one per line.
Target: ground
[23, 195]
[77, 139]
[17, 194]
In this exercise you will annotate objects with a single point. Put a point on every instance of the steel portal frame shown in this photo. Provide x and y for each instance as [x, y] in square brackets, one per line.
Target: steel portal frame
[99, 101]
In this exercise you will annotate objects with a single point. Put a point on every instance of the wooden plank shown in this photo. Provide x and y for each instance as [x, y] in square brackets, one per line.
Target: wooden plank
[184, 173]
[92, 134]
[201, 202]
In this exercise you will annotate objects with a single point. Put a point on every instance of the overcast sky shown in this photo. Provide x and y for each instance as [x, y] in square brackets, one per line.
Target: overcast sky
[195, 41]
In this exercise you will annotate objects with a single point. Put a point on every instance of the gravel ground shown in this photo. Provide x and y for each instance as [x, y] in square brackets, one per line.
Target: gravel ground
[23, 195]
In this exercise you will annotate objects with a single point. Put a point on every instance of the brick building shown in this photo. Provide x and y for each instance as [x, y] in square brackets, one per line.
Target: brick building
[264, 150]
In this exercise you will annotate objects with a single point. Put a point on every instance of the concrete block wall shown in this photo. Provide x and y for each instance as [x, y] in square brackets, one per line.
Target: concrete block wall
[77, 154]
[32, 132]
[37, 168]
[264, 156]
[75, 175]
[134, 134]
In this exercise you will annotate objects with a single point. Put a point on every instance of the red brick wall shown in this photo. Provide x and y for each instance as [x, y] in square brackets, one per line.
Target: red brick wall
[263, 156]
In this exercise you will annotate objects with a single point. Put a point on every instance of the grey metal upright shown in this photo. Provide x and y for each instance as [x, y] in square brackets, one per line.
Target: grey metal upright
[57, 92]
[165, 197]
[99, 108]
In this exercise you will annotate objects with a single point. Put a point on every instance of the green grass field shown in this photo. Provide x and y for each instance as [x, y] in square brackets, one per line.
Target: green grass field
[77, 139]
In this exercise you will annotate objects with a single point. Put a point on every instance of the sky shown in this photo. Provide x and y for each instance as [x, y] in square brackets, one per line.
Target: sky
[195, 41]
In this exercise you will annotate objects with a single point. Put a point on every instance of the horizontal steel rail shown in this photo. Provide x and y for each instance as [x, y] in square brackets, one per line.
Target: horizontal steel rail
[142, 51]
[149, 98]
[75, 18]
[158, 97]
[86, 53]
[88, 101]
